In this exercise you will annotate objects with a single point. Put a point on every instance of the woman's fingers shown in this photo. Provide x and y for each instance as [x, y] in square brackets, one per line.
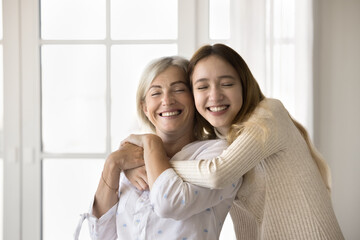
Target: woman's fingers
[135, 139]
[128, 156]
[142, 184]
[137, 177]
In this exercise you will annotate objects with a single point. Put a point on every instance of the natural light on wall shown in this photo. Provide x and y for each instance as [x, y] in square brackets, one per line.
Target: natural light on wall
[275, 39]
[289, 57]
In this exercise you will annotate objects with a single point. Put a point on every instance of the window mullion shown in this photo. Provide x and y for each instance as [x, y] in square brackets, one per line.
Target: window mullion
[12, 121]
[187, 12]
[202, 26]
[31, 120]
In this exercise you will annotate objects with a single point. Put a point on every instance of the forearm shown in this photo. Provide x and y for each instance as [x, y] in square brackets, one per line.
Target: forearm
[106, 195]
[126, 157]
[241, 156]
[156, 160]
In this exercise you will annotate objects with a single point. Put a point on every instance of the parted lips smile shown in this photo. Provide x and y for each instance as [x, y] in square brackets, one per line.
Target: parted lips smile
[218, 108]
[170, 113]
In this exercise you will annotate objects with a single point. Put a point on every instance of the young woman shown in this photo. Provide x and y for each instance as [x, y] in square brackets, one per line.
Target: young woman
[172, 208]
[285, 192]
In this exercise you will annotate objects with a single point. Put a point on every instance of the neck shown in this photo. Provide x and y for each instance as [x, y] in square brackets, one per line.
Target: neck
[222, 130]
[173, 143]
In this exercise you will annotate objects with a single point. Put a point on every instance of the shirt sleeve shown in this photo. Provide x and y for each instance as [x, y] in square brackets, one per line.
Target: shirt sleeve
[103, 228]
[258, 140]
[173, 198]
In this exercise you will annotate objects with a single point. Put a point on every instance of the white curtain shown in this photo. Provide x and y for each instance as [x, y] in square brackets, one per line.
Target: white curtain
[275, 37]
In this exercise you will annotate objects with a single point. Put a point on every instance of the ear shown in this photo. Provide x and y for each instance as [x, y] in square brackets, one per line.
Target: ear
[144, 108]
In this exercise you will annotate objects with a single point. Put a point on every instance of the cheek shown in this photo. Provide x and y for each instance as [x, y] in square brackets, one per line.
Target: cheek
[239, 101]
[150, 109]
[199, 102]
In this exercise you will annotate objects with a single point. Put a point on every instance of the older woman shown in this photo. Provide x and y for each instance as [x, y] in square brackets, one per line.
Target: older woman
[173, 207]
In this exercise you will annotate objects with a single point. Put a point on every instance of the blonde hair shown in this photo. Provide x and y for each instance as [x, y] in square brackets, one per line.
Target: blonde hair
[319, 160]
[151, 71]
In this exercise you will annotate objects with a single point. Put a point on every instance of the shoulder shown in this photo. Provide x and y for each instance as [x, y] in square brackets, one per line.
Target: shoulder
[267, 119]
[270, 104]
[269, 108]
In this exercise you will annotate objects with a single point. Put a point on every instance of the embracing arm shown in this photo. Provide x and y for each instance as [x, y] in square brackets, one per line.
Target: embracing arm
[254, 144]
[102, 214]
[127, 157]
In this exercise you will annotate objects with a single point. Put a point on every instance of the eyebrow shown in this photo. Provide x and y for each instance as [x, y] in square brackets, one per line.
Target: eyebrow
[177, 82]
[172, 84]
[219, 77]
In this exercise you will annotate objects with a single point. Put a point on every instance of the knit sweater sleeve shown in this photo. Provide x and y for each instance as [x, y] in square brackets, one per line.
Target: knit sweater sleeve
[259, 139]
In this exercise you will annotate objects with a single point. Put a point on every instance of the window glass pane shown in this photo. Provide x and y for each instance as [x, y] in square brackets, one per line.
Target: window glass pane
[73, 19]
[127, 64]
[67, 192]
[284, 19]
[73, 98]
[219, 19]
[284, 75]
[144, 19]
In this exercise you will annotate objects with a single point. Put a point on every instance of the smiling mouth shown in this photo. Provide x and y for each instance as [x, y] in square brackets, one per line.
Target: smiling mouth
[170, 114]
[218, 108]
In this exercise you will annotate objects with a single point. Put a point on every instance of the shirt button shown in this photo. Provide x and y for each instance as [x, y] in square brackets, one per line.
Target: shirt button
[243, 199]
[259, 220]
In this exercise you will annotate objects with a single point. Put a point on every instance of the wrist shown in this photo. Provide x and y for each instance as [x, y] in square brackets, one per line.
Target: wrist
[154, 147]
[152, 140]
[112, 166]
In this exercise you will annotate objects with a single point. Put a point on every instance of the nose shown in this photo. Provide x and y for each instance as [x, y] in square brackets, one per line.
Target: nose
[168, 99]
[215, 94]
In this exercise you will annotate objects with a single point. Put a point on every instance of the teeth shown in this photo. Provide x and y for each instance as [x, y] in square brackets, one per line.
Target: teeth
[169, 114]
[217, 109]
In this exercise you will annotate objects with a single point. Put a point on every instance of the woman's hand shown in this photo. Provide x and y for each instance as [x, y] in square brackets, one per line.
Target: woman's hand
[138, 139]
[138, 178]
[155, 157]
[128, 156]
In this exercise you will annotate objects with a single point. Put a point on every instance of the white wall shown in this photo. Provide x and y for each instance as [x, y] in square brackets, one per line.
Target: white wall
[337, 104]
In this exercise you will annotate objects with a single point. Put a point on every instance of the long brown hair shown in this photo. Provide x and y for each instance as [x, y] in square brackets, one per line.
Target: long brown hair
[251, 92]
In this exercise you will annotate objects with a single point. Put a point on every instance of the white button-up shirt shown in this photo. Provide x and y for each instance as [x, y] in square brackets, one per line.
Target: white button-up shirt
[174, 209]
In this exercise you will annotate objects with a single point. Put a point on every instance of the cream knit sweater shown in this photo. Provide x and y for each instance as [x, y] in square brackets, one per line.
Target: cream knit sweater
[283, 195]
